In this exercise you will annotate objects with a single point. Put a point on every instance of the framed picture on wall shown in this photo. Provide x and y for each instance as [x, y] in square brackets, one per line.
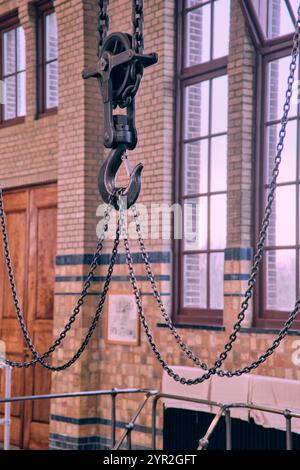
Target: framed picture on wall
[122, 319]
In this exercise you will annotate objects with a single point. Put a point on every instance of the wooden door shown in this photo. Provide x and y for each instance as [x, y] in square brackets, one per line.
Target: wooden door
[31, 219]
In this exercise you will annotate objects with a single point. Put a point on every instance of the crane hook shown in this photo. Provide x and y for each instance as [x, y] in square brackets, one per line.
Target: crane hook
[107, 176]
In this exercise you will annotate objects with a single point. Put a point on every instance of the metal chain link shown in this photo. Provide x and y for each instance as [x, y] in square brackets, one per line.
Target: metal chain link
[138, 46]
[156, 294]
[144, 322]
[98, 313]
[138, 26]
[103, 23]
[80, 302]
[253, 274]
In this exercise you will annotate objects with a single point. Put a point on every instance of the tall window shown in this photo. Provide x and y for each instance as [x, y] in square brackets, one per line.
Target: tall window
[279, 284]
[12, 70]
[202, 158]
[47, 58]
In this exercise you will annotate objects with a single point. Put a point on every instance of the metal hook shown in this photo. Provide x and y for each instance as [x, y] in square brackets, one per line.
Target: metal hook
[107, 176]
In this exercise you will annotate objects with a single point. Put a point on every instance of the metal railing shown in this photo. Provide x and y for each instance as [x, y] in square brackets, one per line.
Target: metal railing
[224, 410]
[113, 393]
[6, 422]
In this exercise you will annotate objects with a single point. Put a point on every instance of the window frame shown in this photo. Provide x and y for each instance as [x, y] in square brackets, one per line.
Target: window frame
[43, 9]
[186, 76]
[267, 50]
[263, 317]
[7, 23]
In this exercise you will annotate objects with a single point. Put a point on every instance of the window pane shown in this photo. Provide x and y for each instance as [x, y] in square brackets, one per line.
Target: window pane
[274, 17]
[51, 37]
[9, 46]
[216, 281]
[196, 167]
[218, 176]
[219, 104]
[195, 281]
[287, 171]
[21, 81]
[278, 71]
[281, 280]
[221, 28]
[261, 9]
[193, 3]
[195, 224]
[279, 19]
[10, 97]
[198, 36]
[51, 85]
[294, 5]
[218, 222]
[282, 228]
[196, 110]
[21, 53]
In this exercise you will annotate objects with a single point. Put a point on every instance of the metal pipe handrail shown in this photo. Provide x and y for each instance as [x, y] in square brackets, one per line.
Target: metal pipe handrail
[50, 396]
[224, 409]
[6, 421]
[204, 441]
[114, 392]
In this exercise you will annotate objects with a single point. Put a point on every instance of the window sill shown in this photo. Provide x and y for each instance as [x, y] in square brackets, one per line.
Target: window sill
[193, 326]
[12, 122]
[268, 331]
[47, 113]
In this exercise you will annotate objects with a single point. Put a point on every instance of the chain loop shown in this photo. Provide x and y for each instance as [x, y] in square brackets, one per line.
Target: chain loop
[137, 25]
[103, 24]
[138, 46]
[253, 274]
[97, 316]
[80, 302]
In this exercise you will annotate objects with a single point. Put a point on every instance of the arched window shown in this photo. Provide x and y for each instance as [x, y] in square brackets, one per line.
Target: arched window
[201, 158]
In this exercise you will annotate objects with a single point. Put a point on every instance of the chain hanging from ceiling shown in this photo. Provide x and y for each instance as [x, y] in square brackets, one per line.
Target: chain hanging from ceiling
[119, 74]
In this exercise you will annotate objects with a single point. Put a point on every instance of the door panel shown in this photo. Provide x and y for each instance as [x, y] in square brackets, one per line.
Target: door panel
[41, 276]
[16, 218]
[31, 220]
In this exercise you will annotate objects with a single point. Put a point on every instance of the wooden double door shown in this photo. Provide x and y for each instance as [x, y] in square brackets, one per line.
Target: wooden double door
[31, 223]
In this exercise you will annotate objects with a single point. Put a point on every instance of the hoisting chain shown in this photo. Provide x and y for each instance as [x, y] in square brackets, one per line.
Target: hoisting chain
[80, 302]
[138, 46]
[253, 274]
[103, 23]
[137, 24]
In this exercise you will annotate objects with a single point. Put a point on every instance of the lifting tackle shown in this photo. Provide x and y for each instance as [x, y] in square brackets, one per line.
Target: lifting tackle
[120, 70]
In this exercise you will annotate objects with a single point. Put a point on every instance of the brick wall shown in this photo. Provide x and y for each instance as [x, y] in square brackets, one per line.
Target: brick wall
[28, 150]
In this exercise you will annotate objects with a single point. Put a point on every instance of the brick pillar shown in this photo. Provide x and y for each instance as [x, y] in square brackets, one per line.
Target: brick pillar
[240, 154]
[73, 422]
